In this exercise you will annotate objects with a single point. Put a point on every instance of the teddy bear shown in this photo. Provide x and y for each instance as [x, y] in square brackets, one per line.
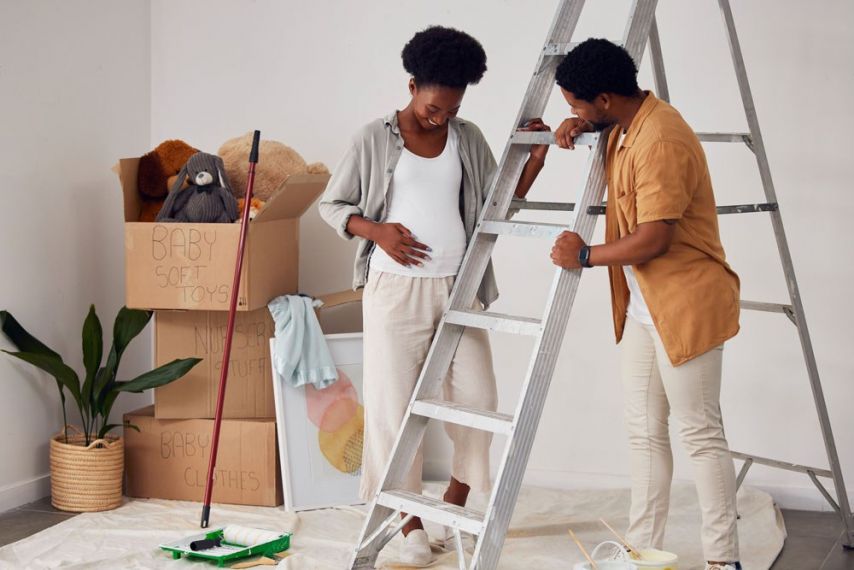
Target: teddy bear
[207, 199]
[157, 169]
[276, 162]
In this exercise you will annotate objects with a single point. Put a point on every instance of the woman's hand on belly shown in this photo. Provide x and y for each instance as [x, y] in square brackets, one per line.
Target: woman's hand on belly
[399, 243]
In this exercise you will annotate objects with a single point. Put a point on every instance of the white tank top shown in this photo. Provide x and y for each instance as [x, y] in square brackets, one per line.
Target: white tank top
[638, 309]
[424, 196]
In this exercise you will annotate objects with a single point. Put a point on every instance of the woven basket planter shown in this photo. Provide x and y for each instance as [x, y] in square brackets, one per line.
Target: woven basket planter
[86, 478]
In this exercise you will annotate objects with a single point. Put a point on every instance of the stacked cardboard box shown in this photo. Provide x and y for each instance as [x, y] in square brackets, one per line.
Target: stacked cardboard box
[184, 272]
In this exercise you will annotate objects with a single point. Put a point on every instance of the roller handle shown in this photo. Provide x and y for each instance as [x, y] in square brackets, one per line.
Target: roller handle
[205, 544]
[256, 140]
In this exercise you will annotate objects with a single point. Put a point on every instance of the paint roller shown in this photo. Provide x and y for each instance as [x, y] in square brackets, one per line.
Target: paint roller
[238, 535]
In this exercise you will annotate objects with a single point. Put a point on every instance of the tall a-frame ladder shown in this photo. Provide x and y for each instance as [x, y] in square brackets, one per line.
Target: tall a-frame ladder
[384, 517]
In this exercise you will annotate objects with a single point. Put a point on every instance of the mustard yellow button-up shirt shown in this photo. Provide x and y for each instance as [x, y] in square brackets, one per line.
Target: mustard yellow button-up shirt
[659, 172]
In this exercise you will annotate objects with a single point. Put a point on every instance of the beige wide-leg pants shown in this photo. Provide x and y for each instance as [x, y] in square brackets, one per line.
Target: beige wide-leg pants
[400, 318]
[653, 389]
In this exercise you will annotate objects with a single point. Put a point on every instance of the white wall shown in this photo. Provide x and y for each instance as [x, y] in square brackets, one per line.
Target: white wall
[74, 97]
[310, 73]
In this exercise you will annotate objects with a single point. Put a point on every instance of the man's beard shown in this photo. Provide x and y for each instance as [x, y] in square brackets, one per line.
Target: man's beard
[600, 126]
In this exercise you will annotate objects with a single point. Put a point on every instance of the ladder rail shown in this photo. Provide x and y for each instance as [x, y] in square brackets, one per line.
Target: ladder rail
[473, 268]
[758, 146]
[538, 378]
[657, 59]
[556, 317]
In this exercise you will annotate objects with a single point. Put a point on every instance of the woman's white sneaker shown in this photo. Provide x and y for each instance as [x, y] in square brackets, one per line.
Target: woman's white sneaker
[416, 549]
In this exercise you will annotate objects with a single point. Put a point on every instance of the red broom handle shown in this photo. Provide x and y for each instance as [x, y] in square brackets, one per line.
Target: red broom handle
[232, 311]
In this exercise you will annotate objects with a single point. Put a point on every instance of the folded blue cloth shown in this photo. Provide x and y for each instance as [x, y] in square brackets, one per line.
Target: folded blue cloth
[300, 353]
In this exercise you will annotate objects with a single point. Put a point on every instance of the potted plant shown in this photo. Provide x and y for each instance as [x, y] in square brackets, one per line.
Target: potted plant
[86, 467]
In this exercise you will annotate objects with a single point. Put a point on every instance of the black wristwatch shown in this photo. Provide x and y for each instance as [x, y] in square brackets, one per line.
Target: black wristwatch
[584, 256]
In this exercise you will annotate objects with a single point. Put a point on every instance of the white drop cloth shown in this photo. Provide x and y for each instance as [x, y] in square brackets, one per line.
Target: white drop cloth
[127, 537]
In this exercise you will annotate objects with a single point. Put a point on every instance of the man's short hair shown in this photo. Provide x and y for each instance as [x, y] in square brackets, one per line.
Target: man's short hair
[597, 66]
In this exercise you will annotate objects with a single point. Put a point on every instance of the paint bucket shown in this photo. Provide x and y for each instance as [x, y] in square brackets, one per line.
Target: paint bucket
[618, 561]
[656, 559]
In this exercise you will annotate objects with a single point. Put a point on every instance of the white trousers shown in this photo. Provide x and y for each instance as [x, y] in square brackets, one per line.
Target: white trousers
[653, 389]
[400, 318]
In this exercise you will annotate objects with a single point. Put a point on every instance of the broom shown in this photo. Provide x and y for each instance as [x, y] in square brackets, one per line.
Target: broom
[232, 310]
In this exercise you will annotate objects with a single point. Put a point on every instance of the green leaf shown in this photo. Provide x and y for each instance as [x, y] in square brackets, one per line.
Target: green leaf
[110, 427]
[54, 366]
[160, 376]
[129, 323]
[93, 352]
[21, 338]
[105, 376]
[105, 405]
[27, 343]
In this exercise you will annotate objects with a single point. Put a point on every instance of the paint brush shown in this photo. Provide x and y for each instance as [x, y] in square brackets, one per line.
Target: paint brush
[622, 539]
[593, 564]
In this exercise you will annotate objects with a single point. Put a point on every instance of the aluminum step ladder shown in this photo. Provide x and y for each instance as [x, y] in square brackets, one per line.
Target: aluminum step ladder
[384, 516]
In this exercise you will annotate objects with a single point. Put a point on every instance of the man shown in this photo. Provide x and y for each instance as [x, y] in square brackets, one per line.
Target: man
[675, 300]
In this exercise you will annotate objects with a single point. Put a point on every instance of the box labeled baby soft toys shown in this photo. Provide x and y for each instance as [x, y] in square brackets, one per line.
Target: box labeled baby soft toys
[191, 265]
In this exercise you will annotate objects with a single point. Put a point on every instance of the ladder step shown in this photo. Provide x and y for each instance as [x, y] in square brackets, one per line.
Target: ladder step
[522, 229]
[434, 510]
[518, 204]
[559, 49]
[725, 137]
[589, 139]
[600, 210]
[493, 422]
[565, 48]
[494, 322]
[748, 208]
[766, 307]
[546, 137]
[819, 472]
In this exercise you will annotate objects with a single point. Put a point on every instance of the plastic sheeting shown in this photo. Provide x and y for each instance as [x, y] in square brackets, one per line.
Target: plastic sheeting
[127, 537]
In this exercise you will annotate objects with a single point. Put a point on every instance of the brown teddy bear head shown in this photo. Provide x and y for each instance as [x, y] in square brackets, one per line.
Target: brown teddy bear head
[157, 166]
[276, 162]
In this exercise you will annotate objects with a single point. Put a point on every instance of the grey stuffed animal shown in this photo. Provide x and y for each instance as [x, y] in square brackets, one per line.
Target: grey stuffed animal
[208, 199]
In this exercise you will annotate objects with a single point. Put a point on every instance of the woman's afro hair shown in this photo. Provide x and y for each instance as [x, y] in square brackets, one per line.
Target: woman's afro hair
[444, 56]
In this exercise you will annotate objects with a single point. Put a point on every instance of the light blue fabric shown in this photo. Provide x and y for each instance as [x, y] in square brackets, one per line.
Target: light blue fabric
[300, 353]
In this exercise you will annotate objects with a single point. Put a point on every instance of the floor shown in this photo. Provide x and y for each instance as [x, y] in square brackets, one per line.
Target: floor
[813, 542]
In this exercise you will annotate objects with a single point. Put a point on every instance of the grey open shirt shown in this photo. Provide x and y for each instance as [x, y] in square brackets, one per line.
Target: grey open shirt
[360, 184]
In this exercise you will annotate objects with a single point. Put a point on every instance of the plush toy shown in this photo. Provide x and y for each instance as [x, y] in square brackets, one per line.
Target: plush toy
[149, 209]
[208, 198]
[155, 169]
[276, 162]
[254, 207]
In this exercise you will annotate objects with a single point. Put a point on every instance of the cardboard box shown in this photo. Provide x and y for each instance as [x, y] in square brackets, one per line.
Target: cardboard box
[168, 459]
[341, 312]
[191, 266]
[249, 391]
[201, 334]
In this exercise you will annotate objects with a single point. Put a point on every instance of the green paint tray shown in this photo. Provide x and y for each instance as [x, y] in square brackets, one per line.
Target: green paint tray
[227, 552]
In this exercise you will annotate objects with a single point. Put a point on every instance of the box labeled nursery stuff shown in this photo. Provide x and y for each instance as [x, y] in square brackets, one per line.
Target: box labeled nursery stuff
[191, 266]
[168, 459]
[201, 334]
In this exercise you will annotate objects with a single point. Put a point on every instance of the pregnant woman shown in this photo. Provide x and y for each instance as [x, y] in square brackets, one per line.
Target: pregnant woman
[411, 187]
